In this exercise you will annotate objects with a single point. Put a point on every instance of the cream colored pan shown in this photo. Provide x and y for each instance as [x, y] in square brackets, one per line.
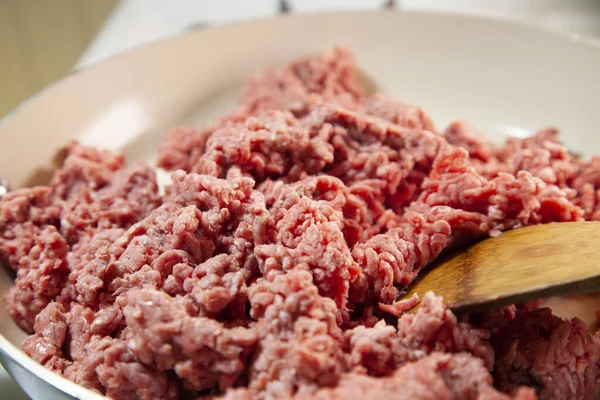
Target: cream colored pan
[506, 78]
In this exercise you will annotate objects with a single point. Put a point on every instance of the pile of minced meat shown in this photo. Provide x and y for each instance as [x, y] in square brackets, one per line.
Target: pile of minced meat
[271, 267]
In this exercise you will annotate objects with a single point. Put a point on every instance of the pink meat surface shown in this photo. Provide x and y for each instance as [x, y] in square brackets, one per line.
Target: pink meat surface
[272, 265]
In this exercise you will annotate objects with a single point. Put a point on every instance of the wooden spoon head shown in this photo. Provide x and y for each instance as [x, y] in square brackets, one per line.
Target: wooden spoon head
[519, 265]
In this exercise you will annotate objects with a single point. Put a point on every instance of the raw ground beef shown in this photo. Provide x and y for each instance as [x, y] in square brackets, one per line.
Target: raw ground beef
[272, 265]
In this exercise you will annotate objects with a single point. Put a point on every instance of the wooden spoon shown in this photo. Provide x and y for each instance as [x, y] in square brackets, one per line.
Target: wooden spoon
[522, 264]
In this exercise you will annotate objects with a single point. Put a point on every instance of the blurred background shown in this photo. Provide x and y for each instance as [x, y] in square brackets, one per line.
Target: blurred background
[42, 41]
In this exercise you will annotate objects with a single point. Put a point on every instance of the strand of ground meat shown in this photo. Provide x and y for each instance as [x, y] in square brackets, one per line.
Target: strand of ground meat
[91, 192]
[307, 350]
[295, 87]
[202, 255]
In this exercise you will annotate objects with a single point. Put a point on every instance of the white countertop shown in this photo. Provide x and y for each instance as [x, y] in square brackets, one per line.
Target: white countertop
[135, 22]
